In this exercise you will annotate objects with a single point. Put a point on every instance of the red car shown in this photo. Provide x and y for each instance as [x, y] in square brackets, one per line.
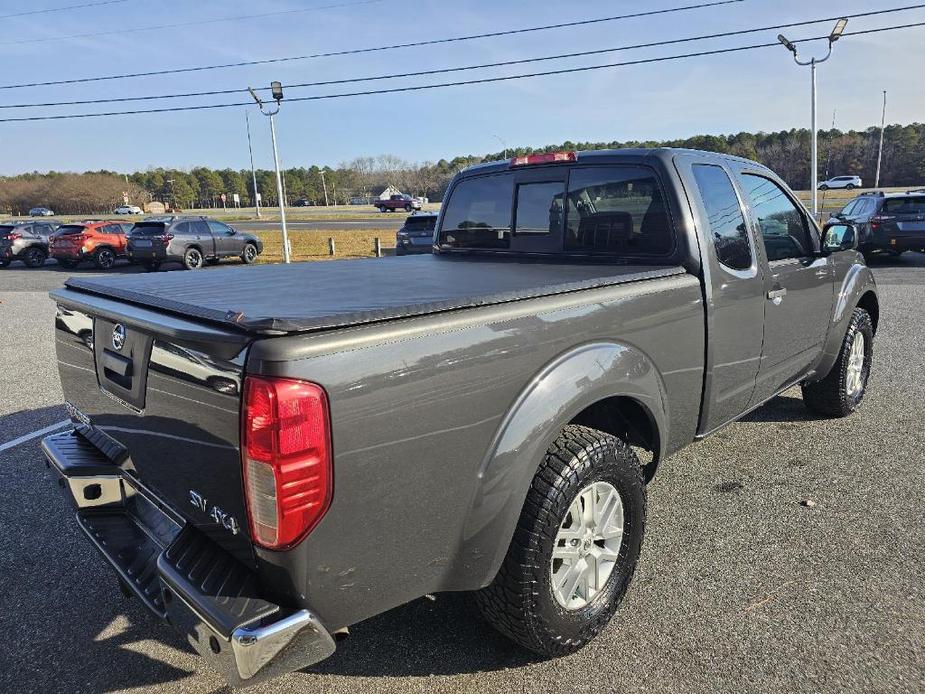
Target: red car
[101, 242]
[398, 202]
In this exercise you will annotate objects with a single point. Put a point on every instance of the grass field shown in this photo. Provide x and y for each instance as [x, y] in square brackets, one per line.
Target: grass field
[313, 245]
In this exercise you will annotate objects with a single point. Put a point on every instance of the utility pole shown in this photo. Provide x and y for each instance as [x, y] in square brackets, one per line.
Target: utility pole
[828, 160]
[250, 151]
[880, 149]
[325, 186]
[277, 91]
[812, 62]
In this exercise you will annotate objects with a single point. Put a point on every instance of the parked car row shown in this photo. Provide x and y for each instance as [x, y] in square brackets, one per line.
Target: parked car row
[191, 241]
[887, 223]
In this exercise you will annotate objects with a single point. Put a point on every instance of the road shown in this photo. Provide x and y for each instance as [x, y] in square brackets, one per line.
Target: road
[740, 587]
[389, 222]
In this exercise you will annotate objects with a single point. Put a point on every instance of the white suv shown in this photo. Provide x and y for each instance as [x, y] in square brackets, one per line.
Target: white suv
[841, 182]
[128, 209]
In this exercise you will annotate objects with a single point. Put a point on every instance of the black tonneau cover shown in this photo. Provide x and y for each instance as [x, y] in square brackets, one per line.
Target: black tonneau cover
[314, 296]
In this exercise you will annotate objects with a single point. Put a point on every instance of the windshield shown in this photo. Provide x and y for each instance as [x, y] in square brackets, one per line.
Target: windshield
[607, 210]
[421, 223]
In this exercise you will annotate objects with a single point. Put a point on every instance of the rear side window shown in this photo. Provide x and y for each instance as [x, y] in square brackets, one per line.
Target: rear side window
[618, 210]
[908, 205]
[724, 215]
[478, 214]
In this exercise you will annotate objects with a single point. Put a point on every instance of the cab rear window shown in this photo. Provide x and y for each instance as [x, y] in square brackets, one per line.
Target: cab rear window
[599, 210]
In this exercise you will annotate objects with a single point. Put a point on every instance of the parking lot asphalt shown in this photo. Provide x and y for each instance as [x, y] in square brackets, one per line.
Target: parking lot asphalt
[740, 586]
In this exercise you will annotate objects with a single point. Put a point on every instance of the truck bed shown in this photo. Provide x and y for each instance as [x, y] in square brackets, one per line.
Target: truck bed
[273, 299]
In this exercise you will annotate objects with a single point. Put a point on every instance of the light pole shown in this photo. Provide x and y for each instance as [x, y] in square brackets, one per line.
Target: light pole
[325, 186]
[250, 151]
[277, 91]
[812, 62]
[880, 149]
[503, 144]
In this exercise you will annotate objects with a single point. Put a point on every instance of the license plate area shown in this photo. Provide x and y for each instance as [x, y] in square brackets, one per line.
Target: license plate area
[122, 354]
[141, 244]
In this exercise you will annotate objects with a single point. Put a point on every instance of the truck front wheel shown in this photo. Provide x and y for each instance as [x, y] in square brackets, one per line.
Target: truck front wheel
[841, 391]
[575, 546]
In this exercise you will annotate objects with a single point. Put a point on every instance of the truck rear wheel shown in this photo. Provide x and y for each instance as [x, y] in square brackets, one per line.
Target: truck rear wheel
[841, 391]
[575, 546]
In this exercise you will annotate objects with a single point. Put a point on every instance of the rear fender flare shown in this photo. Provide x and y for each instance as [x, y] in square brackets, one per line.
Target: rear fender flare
[554, 397]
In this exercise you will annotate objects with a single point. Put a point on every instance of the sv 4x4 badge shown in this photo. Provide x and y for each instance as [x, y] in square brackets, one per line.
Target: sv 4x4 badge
[215, 513]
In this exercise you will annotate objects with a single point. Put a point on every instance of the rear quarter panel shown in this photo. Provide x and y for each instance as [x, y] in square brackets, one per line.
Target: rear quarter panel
[440, 422]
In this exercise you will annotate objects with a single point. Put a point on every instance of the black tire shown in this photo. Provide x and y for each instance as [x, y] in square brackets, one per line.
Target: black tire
[5, 262]
[104, 258]
[34, 257]
[151, 266]
[823, 187]
[193, 259]
[249, 253]
[383, 208]
[831, 396]
[850, 186]
[407, 208]
[520, 602]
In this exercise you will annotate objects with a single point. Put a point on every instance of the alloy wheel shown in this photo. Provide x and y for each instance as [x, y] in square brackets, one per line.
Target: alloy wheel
[587, 545]
[854, 378]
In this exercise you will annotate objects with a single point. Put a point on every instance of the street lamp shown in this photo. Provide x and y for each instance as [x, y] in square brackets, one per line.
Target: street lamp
[812, 62]
[276, 90]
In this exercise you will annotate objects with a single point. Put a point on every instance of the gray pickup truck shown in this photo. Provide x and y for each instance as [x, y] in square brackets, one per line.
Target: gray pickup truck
[269, 455]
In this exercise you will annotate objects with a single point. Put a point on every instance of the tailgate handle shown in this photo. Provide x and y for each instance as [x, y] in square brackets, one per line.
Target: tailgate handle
[121, 366]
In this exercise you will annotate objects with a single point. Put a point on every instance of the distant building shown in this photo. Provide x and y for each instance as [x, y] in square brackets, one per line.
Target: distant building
[389, 192]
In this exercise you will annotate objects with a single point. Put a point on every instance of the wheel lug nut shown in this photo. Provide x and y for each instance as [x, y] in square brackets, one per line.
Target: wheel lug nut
[574, 543]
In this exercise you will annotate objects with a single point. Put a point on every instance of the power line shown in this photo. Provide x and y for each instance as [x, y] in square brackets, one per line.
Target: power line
[424, 73]
[49, 10]
[354, 51]
[484, 80]
[197, 22]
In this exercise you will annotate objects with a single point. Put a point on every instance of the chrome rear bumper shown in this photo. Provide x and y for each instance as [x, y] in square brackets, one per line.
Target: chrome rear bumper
[181, 575]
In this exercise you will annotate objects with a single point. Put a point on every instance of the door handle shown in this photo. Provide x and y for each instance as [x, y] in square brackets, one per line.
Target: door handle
[777, 295]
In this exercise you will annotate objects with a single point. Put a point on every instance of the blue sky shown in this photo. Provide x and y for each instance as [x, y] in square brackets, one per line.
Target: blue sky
[757, 90]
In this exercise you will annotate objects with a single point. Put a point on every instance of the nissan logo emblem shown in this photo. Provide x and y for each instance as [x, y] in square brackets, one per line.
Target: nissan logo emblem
[118, 336]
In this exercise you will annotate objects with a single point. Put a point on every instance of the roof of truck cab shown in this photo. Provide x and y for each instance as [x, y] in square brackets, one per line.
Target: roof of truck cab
[314, 296]
[629, 155]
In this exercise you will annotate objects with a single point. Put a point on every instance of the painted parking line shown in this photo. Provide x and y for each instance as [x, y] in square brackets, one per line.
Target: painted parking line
[32, 435]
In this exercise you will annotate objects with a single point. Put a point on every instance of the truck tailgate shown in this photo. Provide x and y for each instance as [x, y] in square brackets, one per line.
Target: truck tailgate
[165, 394]
[314, 296]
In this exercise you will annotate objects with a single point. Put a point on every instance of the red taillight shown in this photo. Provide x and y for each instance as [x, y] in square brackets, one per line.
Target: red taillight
[548, 158]
[14, 235]
[286, 452]
[167, 237]
[875, 222]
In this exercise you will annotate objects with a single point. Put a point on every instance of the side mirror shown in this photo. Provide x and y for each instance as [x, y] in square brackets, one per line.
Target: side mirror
[839, 236]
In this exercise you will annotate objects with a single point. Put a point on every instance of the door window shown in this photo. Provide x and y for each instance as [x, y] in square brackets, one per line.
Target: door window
[783, 226]
[200, 228]
[724, 214]
[220, 229]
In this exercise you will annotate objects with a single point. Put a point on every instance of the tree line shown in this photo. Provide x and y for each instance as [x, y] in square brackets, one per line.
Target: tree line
[786, 152]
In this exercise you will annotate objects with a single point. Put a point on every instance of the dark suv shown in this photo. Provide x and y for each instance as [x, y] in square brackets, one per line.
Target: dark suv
[889, 223]
[26, 241]
[192, 241]
[417, 234]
